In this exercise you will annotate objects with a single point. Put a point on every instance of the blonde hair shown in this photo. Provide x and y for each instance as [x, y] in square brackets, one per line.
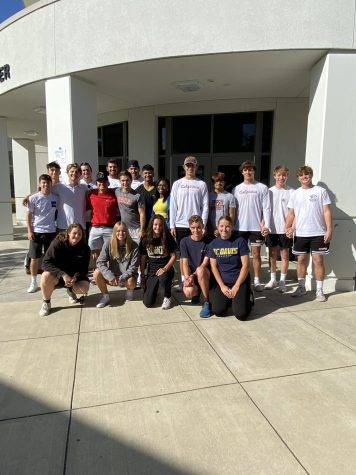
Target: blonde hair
[114, 243]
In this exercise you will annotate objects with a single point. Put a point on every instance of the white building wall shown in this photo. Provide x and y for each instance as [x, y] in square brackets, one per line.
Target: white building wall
[6, 228]
[142, 135]
[289, 135]
[25, 179]
[331, 145]
[64, 36]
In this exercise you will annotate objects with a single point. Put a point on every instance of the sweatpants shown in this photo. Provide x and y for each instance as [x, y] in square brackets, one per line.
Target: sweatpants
[241, 303]
[153, 282]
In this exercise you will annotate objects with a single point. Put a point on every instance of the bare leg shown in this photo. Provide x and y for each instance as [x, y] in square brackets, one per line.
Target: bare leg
[302, 266]
[100, 281]
[319, 268]
[203, 276]
[273, 259]
[256, 255]
[48, 282]
[130, 283]
[34, 267]
[81, 287]
[284, 260]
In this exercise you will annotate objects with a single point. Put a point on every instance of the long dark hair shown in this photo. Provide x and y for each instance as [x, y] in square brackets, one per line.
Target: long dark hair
[150, 235]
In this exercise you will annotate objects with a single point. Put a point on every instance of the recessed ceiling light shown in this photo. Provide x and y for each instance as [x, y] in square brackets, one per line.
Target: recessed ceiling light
[31, 133]
[40, 110]
[188, 86]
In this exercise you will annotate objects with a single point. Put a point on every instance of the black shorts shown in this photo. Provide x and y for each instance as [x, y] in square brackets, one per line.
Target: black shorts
[254, 237]
[281, 240]
[182, 233]
[313, 245]
[40, 242]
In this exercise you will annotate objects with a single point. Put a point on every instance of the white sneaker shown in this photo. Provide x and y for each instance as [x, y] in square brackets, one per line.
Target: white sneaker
[258, 287]
[282, 288]
[45, 309]
[33, 288]
[320, 297]
[105, 299]
[271, 285]
[129, 295]
[167, 303]
[299, 291]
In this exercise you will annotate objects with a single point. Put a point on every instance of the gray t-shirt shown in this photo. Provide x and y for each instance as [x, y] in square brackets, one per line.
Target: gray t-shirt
[129, 203]
[219, 205]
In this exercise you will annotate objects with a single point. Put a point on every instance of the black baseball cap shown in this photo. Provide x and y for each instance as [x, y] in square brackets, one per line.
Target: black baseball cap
[100, 176]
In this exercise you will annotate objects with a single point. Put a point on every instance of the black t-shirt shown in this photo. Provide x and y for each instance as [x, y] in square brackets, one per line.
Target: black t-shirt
[157, 258]
[149, 198]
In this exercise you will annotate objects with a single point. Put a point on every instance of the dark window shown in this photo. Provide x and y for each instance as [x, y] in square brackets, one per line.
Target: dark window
[113, 143]
[267, 131]
[100, 141]
[191, 134]
[234, 132]
[162, 134]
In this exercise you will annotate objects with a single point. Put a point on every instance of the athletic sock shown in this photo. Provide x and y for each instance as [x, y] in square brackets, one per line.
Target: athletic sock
[319, 284]
[283, 277]
[273, 276]
[34, 280]
[301, 282]
[47, 301]
[256, 280]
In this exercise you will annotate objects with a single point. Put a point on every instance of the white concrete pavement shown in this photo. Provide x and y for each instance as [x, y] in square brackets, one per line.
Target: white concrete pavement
[132, 390]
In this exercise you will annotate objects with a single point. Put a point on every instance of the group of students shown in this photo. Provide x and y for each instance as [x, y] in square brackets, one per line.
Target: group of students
[211, 230]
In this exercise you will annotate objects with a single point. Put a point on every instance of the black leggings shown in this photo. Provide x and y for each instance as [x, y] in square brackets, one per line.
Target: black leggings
[241, 303]
[152, 284]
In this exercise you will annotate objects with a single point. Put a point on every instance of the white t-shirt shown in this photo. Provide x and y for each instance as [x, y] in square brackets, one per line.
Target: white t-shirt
[43, 209]
[136, 183]
[188, 198]
[114, 182]
[279, 200]
[253, 203]
[71, 204]
[307, 204]
[219, 205]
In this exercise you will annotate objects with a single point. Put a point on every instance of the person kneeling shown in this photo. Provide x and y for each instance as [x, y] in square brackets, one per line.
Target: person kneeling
[65, 264]
[158, 252]
[229, 261]
[117, 264]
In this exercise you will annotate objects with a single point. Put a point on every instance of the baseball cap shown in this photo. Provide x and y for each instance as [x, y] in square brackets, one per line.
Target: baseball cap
[133, 163]
[191, 160]
[100, 176]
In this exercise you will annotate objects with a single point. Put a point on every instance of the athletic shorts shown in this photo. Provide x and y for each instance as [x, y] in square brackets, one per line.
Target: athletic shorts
[98, 236]
[313, 245]
[40, 242]
[60, 284]
[280, 240]
[182, 233]
[254, 237]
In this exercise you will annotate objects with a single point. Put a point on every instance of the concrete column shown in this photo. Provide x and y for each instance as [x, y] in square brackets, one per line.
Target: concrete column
[41, 159]
[71, 122]
[330, 151]
[142, 136]
[6, 228]
[289, 135]
[25, 179]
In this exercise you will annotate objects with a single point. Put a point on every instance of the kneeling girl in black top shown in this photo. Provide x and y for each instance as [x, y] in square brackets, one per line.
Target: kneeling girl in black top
[229, 261]
[158, 252]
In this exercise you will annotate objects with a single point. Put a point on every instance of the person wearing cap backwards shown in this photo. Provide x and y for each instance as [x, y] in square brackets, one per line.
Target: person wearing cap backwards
[134, 169]
[103, 204]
